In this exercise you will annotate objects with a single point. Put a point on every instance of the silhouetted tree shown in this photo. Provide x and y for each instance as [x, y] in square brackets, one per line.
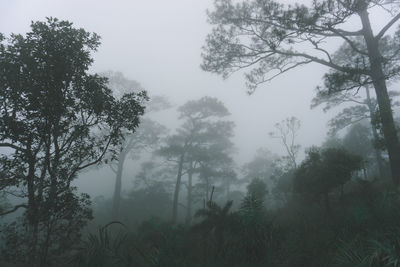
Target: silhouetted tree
[197, 134]
[322, 171]
[270, 39]
[55, 120]
[146, 136]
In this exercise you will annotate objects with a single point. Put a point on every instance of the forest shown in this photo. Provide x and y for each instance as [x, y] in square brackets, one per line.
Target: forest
[180, 188]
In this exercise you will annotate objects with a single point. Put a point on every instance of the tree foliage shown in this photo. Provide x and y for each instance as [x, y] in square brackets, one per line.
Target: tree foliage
[323, 171]
[56, 119]
[269, 38]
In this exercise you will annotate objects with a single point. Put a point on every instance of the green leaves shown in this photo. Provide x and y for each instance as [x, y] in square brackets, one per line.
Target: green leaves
[325, 170]
[56, 119]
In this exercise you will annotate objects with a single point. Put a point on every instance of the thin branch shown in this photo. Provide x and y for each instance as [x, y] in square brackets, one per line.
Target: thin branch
[5, 144]
[321, 61]
[14, 209]
[98, 159]
[387, 27]
[350, 42]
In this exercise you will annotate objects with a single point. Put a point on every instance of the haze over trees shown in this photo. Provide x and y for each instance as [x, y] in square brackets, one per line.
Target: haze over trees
[269, 39]
[180, 189]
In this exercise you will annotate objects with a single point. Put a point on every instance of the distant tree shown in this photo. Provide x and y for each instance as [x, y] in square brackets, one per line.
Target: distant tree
[228, 177]
[213, 157]
[55, 120]
[154, 172]
[358, 140]
[324, 170]
[257, 188]
[270, 39]
[262, 166]
[199, 135]
[332, 141]
[146, 136]
[286, 131]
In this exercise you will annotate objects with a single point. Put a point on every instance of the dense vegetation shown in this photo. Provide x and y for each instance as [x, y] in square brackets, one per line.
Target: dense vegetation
[191, 203]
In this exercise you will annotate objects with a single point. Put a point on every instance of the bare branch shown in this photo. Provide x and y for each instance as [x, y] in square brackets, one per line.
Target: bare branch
[14, 209]
[387, 27]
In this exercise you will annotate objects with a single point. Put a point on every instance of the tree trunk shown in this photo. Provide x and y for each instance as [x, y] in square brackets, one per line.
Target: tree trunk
[378, 155]
[386, 115]
[189, 195]
[118, 186]
[177, 189]
[32, 212]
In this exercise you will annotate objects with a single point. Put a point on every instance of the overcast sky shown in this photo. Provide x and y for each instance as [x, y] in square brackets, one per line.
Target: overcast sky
[158, 43]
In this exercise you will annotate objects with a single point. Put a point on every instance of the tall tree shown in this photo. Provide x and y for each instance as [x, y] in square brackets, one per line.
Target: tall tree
[333, 94]
[271, 38]
[56, 119]
[147, 135]
[200, 122]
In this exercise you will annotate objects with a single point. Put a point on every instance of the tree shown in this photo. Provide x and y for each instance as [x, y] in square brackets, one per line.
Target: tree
[209, 157]
[200, 133]
[324, 170]
[56, 119]
[213, 156]
[363, 108]
[147, 135]
[257, 188]
[287, 131]
[271, 39]
[333, 94]
[152, 173]
[358, 140]
[261, 166]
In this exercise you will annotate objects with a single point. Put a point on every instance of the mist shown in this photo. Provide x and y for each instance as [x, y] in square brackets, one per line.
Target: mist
[203, 134]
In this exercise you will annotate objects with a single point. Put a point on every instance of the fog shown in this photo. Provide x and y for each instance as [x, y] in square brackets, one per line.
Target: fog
[159, 44]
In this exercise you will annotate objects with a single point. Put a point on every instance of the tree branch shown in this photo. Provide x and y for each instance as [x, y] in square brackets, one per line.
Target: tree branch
[98, 159]
[5, 144]
[387, 27]
[14, 209]
[321, 61]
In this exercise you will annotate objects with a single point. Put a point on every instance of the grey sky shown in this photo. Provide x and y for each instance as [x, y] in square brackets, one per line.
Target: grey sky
[158, 43]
